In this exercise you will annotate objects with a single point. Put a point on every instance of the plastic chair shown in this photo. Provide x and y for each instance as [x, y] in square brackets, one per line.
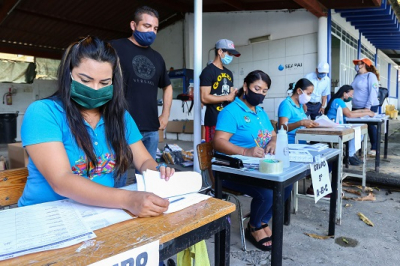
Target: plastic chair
[205, 153]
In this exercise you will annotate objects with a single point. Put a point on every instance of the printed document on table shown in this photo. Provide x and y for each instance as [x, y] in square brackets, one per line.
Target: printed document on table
[99, 217]
[41, 227]
[178, 203]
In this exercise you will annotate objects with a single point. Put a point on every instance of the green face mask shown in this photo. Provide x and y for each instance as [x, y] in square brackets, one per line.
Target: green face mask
[348, 99]
[90, 98]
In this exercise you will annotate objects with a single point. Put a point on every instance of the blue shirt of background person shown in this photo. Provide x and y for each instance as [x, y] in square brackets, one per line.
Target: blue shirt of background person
[291, 111]
[46, 121]
[334, 105]
[343, 95]
[245, 125]
[82, 138]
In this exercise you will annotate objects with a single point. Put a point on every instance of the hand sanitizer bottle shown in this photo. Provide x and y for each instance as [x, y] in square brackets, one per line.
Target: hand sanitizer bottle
[339, 115]
[282, 147]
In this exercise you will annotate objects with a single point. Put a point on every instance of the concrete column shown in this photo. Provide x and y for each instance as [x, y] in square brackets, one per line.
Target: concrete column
[322, 39]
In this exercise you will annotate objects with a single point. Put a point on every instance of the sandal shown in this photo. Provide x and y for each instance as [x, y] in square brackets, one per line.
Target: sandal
[260, 243]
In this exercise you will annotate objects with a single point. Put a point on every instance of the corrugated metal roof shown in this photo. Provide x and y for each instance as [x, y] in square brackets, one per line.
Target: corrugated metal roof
[45, 27]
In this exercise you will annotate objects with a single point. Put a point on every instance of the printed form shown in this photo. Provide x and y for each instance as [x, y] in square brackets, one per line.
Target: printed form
[41, 227]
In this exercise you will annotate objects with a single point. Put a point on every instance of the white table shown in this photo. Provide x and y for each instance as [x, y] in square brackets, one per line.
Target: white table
[378, 122]
[338, 135]
[278, 182]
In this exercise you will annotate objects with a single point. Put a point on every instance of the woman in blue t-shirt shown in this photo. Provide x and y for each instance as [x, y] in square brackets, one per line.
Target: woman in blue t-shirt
[244, 128]
[291, 112]
[82, 139]
[343, 95]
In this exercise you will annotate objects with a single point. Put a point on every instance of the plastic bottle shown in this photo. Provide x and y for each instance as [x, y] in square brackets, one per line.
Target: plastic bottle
[339, 115]
[282, 149]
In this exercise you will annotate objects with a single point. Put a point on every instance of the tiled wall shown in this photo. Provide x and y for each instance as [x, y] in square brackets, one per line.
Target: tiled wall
[268, 56]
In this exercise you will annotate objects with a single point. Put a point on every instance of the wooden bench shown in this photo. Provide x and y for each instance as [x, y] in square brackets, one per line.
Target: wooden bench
[12, 183]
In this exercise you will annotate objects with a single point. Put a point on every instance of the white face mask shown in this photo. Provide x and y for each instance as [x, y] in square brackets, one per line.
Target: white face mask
[304, 98]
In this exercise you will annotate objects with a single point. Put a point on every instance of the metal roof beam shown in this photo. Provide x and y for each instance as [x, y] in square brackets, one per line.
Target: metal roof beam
[384, 12]
[234, 3]
[374, 18]
[6, 7]
[376, 23]
[383, 5]
[314, 6]
[32, 51]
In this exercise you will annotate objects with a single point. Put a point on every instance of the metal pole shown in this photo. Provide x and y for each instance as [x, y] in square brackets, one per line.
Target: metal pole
[198, 46]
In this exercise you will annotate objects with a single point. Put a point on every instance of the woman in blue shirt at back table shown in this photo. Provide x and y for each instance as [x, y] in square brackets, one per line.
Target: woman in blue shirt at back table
[82, 139]
[343, 95]
[244, 128]
[366, 88]
[291, 112]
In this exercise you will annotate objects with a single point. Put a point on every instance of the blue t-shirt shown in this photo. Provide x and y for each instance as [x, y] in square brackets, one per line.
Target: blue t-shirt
[45, 121]
[245, 125]
[334, 106]
[366, 90]
[293, 113]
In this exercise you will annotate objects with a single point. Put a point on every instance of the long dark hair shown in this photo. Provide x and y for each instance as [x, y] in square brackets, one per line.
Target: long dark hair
[113, 112]
[253, 76]
[338, 94]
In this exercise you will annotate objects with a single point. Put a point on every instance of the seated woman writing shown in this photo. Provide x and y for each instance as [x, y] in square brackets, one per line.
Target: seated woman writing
[82, 139]
[291, 112]
[343, 95]
[244, 128]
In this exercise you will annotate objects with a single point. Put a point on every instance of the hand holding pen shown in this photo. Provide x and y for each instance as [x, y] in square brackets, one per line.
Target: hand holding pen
[256, 151]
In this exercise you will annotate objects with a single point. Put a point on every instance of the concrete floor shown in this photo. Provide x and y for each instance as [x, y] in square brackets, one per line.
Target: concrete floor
[366, 245]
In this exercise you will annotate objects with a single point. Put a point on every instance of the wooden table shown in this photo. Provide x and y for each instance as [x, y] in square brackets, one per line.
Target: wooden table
[176, 232]
[378, 122]
[278, 182]
[338, 135]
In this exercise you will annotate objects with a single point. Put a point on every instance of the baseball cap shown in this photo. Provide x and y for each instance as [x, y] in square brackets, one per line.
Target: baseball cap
[323, 67]
[364, 60]
[227, 45]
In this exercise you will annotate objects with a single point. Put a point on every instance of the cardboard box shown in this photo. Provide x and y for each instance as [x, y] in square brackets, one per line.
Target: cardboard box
[188, 127]
[160, 135]
[175, 126]
[17, 155]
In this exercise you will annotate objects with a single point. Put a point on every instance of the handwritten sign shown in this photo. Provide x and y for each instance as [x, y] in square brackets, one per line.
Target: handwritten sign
[146, 255]
[320, 179]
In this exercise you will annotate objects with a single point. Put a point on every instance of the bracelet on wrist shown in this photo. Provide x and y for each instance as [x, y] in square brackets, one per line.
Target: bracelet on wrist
[160, 165]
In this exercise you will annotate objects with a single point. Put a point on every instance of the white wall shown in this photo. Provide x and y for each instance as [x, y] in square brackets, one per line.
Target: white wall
[26, 94]
[293, 41]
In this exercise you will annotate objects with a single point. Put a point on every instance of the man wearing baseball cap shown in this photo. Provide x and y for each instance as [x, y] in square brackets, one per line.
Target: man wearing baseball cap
[216, 85]
[322, 88]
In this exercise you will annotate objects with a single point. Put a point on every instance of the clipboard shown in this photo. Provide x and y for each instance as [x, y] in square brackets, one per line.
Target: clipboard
[225, 160]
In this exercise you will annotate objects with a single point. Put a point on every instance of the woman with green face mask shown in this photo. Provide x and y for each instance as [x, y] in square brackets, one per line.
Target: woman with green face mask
[343, 95]
[81, 140]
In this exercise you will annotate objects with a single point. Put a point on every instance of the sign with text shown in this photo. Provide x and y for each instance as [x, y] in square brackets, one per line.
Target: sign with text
[147, 255]
[320, 179]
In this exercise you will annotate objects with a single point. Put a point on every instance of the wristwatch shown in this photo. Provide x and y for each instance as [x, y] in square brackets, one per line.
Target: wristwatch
[160, 165]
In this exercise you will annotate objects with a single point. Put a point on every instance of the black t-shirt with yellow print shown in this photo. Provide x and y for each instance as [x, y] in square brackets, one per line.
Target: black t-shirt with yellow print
[220, 80]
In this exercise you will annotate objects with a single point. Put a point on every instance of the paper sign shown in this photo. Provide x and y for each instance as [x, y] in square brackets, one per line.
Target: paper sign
[320, 179]
[147, 255]
[357, 137]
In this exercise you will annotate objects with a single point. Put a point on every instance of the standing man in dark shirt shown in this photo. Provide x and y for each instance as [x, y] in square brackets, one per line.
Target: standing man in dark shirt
[216, 85]
[144, 72]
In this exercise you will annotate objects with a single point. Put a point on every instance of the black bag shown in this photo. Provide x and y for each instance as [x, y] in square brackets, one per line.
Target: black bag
[382, 95]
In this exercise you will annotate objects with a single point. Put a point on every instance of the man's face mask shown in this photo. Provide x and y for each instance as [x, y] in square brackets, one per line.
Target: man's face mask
[90, 98]
[144, 38]
[227, 59]
[321, 75]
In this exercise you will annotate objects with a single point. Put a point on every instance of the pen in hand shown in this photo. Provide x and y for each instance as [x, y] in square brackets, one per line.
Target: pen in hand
[175, 200]
[258, 145]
